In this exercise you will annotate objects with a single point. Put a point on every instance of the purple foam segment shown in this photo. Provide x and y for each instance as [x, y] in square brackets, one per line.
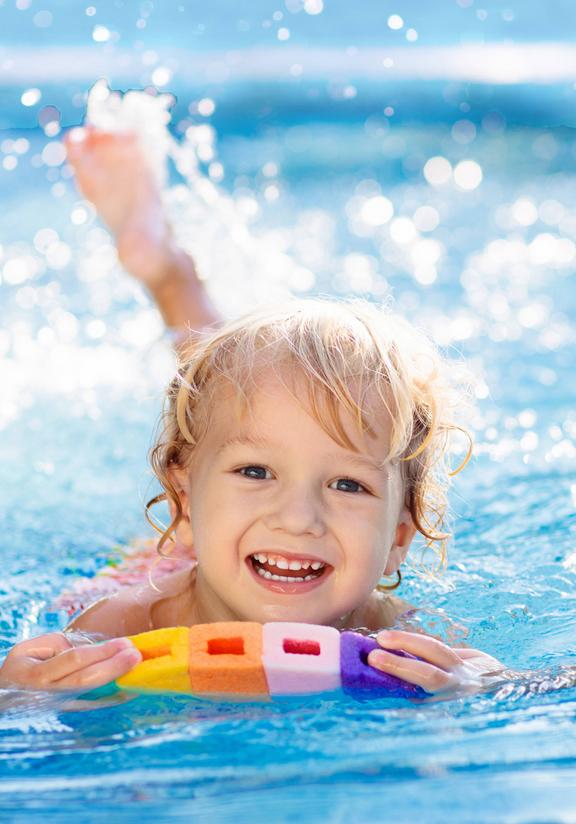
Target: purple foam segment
[300, 658]
[361, 681]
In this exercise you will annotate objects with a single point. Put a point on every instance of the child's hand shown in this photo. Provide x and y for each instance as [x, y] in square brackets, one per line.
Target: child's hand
[52, 662]
[442, 670]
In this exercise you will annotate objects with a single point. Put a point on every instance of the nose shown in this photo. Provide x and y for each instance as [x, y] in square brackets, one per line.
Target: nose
[297, 510]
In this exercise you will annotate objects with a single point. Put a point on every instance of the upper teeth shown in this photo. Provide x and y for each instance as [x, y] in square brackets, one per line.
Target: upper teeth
[283, 563]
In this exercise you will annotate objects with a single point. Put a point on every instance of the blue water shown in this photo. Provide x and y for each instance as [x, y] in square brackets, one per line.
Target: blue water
[82, 367]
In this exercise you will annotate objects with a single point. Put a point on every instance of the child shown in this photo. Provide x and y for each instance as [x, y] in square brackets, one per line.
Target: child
[301, 450]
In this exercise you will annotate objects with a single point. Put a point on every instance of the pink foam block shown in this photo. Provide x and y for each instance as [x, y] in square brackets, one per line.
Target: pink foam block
[301, 658]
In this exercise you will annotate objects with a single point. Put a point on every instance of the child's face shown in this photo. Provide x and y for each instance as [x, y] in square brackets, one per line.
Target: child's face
[272, 490]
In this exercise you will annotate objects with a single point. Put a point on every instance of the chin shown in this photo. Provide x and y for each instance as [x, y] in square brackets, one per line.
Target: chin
[292, 614]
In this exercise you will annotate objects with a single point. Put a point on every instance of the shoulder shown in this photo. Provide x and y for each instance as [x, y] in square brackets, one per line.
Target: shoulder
[123, 613]
[136, 609]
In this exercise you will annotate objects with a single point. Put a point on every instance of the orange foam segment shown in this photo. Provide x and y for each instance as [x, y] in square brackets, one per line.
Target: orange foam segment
[226, 657]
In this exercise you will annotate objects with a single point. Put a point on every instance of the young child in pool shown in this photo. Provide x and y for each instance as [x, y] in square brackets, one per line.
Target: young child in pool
[301, 450]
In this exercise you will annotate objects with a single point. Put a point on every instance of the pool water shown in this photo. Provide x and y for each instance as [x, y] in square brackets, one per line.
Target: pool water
[305, 205]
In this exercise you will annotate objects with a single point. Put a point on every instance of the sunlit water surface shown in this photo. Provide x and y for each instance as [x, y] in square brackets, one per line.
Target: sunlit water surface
[481, 255]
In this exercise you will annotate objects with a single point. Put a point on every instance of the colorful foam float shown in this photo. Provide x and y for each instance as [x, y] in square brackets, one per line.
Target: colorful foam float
[247, 660]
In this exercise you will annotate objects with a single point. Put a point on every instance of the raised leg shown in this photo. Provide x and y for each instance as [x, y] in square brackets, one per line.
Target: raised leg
[113, 174]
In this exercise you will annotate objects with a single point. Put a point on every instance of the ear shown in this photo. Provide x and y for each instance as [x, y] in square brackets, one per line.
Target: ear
[183, 532]
[405, 532]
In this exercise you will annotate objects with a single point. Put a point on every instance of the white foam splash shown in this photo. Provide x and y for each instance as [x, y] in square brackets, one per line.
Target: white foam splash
[241, 270]
[134, 111]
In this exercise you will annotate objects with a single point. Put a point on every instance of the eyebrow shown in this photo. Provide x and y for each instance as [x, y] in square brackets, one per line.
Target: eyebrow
[257, 442]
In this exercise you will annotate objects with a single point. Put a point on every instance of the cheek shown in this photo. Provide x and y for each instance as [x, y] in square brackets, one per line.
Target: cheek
[372, 533]
[367, 537]
[218, 514]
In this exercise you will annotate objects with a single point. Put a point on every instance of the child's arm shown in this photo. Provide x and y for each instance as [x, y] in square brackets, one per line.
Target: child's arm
[52, 662]
[127, 612]
[442, 671]
[181, 298]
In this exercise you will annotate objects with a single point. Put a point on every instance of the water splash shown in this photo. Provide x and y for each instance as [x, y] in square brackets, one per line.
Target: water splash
[134, 112]
[240, 269]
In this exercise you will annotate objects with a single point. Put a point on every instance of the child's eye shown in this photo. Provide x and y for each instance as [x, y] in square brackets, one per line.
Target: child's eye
[347, 485]
[258, 473]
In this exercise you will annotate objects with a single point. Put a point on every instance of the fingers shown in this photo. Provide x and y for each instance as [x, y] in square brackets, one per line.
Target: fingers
[488, 663]
[51, 662]
[44, 646]
[468, 652]
[432, 650]
[75, 659]
[429, 677]
[101, 672]
[440, 670]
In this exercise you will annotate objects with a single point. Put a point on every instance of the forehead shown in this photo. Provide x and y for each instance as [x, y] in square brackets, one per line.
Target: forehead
[276, 403]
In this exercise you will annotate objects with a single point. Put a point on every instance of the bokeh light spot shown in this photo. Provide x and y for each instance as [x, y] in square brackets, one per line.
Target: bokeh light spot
[377, 211]
[100, 34]
[54, 153]
[524, 212]
[30, 97]
[437, 170]
[468, 175]
[426, 218]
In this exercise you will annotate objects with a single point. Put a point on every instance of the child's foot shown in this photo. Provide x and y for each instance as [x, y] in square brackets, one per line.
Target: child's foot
[113, 174]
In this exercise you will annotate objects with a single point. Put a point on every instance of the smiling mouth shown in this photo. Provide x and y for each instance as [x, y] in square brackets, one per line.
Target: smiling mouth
[280, 569]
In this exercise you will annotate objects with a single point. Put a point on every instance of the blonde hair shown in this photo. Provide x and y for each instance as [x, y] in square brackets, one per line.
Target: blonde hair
[354, 357]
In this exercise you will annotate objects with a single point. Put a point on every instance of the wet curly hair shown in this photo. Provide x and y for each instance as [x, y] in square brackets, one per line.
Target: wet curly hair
[354, 357]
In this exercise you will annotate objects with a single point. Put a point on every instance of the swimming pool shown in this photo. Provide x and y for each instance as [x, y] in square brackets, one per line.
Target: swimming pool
[487, 266]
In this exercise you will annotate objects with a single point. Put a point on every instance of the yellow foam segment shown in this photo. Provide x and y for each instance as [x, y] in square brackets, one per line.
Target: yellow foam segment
[226, 657]
[165, 665]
